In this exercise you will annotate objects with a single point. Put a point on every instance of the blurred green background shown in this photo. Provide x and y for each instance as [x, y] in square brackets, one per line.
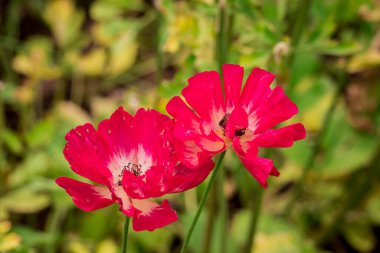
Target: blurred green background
[67, 62]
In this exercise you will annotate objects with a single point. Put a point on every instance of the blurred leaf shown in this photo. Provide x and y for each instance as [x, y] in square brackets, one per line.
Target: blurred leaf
[35, 60]
[123, 54]
[108, 246]
[41, 133]
[9, 242]
[32, 238]
[92, 63]
[34, 165]
[373, 208]
[77, 247]
[64, 19]
[360, 62]
[12, 141]
[342, 140]
[103, 10]
[24, 201]
[360, 236]
[338, 48]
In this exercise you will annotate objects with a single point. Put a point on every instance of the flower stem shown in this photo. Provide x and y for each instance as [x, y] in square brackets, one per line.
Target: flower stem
[256, 207]
[202, 202]
[125, 236]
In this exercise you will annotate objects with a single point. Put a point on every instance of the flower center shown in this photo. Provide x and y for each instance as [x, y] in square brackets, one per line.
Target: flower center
[134, 168]
[223, 123]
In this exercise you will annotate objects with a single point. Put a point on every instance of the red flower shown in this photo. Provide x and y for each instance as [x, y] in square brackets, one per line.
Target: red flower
[243, 119]
[131, 159]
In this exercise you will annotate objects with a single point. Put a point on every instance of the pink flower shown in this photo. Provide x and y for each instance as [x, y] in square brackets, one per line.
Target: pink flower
[243, 120]
[131, 159]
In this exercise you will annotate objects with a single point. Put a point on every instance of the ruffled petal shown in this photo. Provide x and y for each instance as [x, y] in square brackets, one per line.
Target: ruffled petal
[237, 123]
[191, 155]
[182, 113]
[204, 94]
[233, 78]
[153, 132]
[150, 216]
[88, 154]
[118, 132]
[184, 178]
[124, 201]
[282, 137]
[256, 86]
[85, 196]
[274, 109]
[152, 184]
[260, 168]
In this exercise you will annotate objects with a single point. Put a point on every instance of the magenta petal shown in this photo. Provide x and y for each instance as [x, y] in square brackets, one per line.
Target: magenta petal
[151, 185]
[180, 111]
[204, 94]
[256, 86]
[274, 109]
[274, 172]
[282, 137]
[87, 154]
[118, 131]
[87, 197]
[233, 78]
[260, 168]
[185, 178]
[150, 216]
[238, 120]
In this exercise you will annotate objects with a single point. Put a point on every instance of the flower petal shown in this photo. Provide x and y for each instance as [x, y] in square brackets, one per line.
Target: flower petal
[237, 121]
[85, 196]
[274, 109]
[282, 137]
[117, 131]
[124, 201]
[204, 94]
[152, 184]
[184, 178]
[256, 86]
[150, 216]
[87, 153]
[232, 78]
[191, 155]
[260, 168]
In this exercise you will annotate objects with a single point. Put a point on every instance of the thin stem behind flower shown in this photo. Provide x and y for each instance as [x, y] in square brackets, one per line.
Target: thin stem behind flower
[256, 208]
[202, 202]
[125, 235]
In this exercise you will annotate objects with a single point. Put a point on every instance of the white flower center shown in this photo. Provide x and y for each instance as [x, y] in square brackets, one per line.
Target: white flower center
[137, 161]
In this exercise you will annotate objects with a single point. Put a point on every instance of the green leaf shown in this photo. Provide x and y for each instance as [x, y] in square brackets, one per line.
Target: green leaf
[12, 141]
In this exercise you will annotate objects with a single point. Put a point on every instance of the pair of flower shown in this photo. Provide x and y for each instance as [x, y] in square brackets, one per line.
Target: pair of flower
[135, 158]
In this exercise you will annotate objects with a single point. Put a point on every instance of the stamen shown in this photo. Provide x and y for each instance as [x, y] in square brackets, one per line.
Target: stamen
[136, 169]
[223, 124]
[223, 121]
[240, 132]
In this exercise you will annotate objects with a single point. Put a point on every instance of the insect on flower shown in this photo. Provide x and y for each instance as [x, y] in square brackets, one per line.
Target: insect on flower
[131, 159]
[243, 119]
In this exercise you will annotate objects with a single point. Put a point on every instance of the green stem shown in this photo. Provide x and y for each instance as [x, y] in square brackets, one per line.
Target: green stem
[298, 26]
[316, 148]
[211, 217]
[256, 207]
[221, 43]
[297, 29]
[53, 226]
[125, 235]
[202, 202]
[159, 53]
